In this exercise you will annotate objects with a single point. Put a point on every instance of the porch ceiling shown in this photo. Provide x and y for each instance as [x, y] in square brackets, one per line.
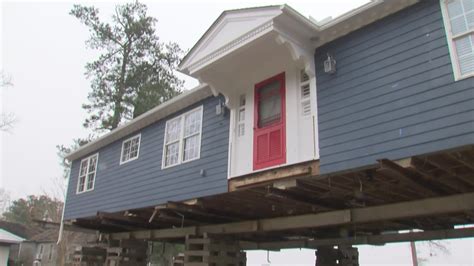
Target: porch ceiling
[389, 182]
[243, 68]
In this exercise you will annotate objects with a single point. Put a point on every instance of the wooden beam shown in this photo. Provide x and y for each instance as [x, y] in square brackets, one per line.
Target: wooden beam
[405, 176]
[199, 211]
[440, 164]
[397, 211]
[363, 240]
[449, 184]
[171, 217]
[293, 171]
[300, 198]
[459, 157]
[120, 219]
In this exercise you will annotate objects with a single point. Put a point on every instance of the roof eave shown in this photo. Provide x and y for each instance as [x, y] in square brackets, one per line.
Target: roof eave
[134, 125]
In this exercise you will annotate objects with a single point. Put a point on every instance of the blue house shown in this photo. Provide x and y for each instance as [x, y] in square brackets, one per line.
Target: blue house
[373, 107]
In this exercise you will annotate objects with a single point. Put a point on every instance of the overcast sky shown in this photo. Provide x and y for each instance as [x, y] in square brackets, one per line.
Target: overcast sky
[42, 48]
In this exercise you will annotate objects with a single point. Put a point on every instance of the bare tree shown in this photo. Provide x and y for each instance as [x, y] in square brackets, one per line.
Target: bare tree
[431, 249]
[5, 80]
[4, 200]
[56, 189]
[6, 119]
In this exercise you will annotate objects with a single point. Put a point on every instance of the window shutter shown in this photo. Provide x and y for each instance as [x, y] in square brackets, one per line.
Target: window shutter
[305, 94]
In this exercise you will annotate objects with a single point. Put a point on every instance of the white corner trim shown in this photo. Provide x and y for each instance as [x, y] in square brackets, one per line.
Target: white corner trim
[236, 43]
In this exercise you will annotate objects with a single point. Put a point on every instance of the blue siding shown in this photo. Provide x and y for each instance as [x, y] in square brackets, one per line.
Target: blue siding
[394, 94]
[142, 182]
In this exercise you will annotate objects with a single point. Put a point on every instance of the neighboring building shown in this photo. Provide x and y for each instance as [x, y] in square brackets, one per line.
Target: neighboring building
[39, 243]
[23, 252]
[389, 80]
[49, 253]
[7, 239]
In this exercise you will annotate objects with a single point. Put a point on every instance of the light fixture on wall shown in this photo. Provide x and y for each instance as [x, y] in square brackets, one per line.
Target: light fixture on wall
[330, 64]
[220, 108]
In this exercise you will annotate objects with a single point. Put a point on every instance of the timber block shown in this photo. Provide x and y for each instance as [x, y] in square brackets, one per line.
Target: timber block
[206, 251]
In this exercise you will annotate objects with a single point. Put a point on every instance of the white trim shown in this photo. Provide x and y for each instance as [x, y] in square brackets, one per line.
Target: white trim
[450, 39]
[86, 180]
[161, 111]
[304, 100]
[231, 46]
[181, 138]
[139, 136]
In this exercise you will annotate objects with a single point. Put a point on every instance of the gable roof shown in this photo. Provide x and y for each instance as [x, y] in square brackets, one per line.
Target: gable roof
[318, 32]
[9, 238]
[19, 229]
[239, 22]
[214, 24]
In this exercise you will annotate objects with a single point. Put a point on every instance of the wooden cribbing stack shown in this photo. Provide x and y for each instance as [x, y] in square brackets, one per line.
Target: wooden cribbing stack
[89, 256]
[178, 260]
[204, 251]
[127, 252]
[343, 256]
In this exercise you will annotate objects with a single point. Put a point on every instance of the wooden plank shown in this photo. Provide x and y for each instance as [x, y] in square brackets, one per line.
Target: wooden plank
[449, 184]
[292, 171]
[420, 208]
[391, 168]
[299, 198]
[464, 160]
[182, 207]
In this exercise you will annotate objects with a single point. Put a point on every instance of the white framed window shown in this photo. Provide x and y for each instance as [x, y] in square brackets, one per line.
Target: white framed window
[182, 141]
[130, 149]
[458, 16]
[305, 94]
[87, 173]
[241, 117]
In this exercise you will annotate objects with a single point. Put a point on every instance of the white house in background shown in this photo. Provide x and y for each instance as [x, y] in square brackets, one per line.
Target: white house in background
[6, 240]
[261, 60]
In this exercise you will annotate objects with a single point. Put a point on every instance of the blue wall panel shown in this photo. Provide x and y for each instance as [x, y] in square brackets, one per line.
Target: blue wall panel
[142, 182]
[394, 93]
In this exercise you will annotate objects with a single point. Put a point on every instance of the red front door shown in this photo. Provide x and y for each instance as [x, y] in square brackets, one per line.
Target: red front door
[269, 142]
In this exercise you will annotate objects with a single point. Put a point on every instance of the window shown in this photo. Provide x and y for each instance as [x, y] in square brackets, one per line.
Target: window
[183, 138]
[459, 23]
[130, 149]
[87, 172]
[305, 94]
[269, 104]
[241, 117]
[40, 254]
[50, 256]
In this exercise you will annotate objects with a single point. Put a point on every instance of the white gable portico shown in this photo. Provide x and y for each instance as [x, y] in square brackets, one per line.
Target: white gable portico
[261, 60]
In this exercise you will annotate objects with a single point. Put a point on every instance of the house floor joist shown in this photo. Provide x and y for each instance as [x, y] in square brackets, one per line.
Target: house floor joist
[433, 192]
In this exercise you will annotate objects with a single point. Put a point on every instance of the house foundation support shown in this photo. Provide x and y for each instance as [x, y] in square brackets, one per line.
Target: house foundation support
[340, 256]
[207, 251]
[127, 252]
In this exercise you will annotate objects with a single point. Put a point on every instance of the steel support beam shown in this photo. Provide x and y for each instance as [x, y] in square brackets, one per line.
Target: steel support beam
[362, 240]
[421, 208]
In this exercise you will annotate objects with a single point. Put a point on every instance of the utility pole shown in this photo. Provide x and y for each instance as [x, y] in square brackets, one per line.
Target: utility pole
[414, 256]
